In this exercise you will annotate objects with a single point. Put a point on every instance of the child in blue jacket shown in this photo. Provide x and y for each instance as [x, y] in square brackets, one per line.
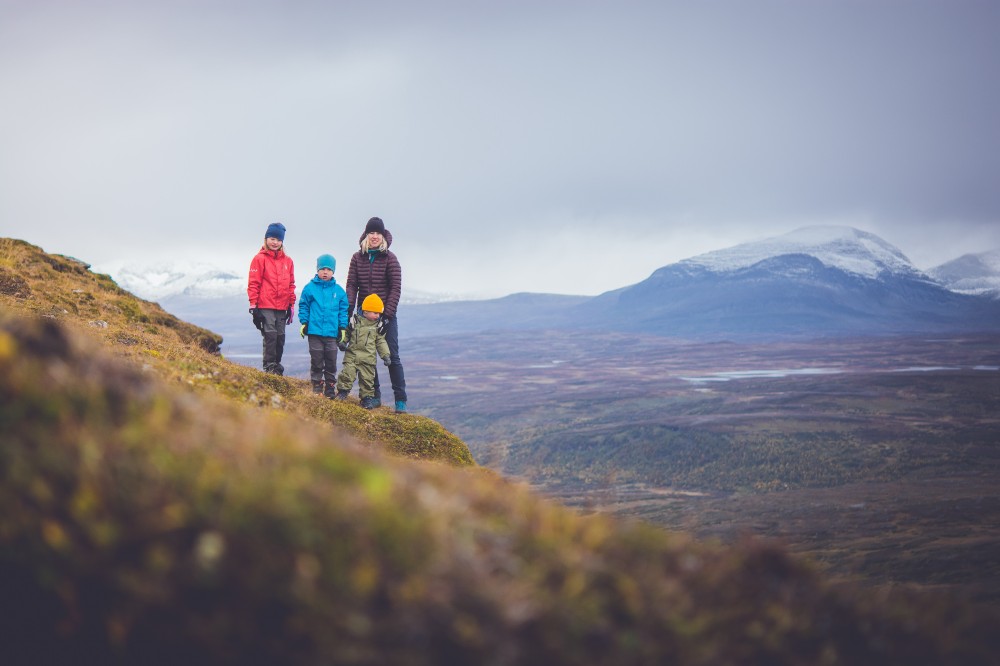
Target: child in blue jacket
[323, 314]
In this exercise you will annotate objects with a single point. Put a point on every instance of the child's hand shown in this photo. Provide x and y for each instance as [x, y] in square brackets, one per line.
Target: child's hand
[387, 360]
[302, 331]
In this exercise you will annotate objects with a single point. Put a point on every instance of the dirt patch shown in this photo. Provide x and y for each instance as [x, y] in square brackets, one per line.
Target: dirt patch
[13, 285]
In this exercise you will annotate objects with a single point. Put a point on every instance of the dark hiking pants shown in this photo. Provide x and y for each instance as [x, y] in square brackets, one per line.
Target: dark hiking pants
[273, 332]
[323, 362]
[396, 365]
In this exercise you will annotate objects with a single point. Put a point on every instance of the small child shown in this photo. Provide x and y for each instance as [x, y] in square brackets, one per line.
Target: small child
[271, 290]
[363, 343]
[323, 315]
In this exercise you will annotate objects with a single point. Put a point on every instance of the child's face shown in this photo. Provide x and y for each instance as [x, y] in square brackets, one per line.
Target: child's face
[370, 315]
[325, 274]
[273, 244]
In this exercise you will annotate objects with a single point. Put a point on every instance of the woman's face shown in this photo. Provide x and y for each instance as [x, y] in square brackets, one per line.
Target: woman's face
[273, 244]
[374, 239]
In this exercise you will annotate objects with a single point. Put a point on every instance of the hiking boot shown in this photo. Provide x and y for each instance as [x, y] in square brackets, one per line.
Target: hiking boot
[317, 387]
[341, 395]
[376, 402]
[370, 403]
[400, 407]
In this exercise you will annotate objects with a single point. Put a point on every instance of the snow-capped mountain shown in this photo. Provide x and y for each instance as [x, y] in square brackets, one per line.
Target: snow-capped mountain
[848, 249]
[162, 281]
[816, 281]
[177, 282]
[977, 274]
[813, 281]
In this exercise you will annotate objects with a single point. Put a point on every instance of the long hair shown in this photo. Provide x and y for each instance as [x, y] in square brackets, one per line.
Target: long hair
[381, 248]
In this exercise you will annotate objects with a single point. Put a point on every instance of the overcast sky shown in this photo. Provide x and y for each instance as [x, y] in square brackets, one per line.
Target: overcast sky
[568, 147]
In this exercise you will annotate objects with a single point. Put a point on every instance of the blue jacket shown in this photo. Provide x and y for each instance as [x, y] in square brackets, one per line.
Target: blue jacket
[323, 307]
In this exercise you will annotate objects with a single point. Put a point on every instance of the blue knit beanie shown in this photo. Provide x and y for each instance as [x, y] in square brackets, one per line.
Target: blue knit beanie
[326, 261]
[275, 230]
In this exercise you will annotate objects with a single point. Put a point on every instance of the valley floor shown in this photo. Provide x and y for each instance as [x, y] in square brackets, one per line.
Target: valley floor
[877, 458]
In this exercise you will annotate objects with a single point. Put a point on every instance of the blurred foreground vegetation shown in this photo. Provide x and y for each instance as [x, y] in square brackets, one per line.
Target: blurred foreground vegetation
[161, 506]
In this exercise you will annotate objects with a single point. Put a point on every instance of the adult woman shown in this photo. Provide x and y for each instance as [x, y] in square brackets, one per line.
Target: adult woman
[376, 270]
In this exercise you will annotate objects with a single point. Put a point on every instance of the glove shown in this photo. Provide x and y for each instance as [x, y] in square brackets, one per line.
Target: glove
[380, 325]
[342, 339]
[258, 319]
[302, 331]
[387, 361]
[288, 315]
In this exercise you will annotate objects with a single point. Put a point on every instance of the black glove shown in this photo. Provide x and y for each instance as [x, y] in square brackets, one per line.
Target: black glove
[380, 325]
[342, 339]
[258, 319]
[288, 315]
[387, 361]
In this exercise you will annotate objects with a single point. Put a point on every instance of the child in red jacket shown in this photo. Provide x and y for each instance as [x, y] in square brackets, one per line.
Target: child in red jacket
[271, 290]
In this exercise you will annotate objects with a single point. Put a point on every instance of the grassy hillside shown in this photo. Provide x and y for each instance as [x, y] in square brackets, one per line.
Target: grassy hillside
[151, 517]
[33, 282]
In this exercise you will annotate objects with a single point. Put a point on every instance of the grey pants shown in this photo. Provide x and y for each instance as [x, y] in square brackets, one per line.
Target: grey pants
[273, 332]
[323, 363]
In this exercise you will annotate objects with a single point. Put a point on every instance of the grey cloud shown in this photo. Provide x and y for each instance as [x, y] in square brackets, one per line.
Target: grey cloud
[162, 121]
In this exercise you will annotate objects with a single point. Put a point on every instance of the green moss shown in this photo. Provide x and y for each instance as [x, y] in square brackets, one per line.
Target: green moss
[404, 435]
[141, 526]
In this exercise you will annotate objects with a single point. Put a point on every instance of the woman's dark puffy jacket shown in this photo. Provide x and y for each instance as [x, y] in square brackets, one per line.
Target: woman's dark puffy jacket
[380, 274]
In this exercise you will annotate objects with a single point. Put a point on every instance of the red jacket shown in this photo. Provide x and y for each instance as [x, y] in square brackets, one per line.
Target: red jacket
[272, 280]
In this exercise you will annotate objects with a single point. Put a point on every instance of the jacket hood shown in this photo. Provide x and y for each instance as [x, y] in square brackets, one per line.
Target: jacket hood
[276, 253]
[387, 236]
[324, 283]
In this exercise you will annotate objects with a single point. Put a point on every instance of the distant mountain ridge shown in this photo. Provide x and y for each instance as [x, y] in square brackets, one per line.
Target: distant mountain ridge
[182, 282]
[165, 280]
[976, 274]
[845, 248]
[815, 281]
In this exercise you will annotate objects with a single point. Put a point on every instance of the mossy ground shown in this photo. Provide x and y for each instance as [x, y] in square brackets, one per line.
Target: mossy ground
[151, 518]
[33, 282]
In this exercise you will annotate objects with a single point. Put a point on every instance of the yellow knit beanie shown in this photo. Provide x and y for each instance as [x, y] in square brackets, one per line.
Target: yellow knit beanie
[372, 303]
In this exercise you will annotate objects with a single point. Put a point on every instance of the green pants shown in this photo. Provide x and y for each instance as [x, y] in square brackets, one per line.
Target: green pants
[361, 368]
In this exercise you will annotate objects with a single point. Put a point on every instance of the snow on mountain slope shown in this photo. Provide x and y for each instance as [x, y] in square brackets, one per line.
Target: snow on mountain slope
[846, 248]
[181, 282]
[975, 274]
[159, 281]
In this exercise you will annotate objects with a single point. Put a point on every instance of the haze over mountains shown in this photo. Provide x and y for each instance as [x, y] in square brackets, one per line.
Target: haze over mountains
[822, 281]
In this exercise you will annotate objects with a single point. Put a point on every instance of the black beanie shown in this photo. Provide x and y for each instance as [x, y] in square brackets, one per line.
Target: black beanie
[375, 224]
